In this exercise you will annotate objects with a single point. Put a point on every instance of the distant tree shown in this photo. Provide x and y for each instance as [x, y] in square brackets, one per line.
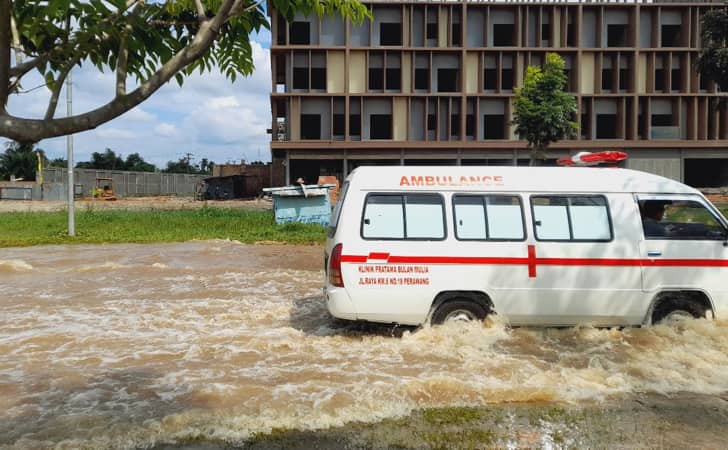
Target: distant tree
[543, 110]
[135, 163]
[712, 62]
[108, 160]
[58, 162]
[206, 166]
[20, 160]
[183, 165]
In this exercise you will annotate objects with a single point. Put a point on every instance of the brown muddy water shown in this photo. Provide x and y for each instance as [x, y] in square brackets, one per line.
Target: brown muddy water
[128, 346]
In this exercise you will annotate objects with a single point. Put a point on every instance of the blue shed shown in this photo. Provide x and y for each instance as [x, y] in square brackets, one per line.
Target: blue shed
[304, 203]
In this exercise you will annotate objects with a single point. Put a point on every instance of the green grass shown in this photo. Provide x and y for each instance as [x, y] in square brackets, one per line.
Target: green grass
[95, 227]
[92, 227]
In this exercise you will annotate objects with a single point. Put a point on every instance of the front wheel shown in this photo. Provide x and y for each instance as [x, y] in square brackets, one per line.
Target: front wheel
[458, 310]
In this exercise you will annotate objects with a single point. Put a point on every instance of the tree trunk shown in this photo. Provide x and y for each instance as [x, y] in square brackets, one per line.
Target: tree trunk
[538, 156]
[4, 53]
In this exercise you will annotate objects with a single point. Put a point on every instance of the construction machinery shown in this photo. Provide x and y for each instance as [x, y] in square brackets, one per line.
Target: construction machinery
[104, 189]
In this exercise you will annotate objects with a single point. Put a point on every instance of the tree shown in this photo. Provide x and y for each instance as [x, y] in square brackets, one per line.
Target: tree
[135, 163]
[108, 160]
[183, 165]
[20, 160]
[149, 41]
[206, 166]
[543, 110]
[712, 62]
[58, 162]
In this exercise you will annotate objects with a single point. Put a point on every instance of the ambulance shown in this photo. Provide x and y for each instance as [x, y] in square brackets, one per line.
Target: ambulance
[544, 246]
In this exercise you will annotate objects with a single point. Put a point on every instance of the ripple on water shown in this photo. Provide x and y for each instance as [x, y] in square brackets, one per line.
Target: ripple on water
[145, 356]
[14, 265]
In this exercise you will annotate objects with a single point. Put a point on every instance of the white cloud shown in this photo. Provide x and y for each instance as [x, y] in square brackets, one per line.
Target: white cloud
[166, 130]
[218, 103]
[115, 133]
[139, 115]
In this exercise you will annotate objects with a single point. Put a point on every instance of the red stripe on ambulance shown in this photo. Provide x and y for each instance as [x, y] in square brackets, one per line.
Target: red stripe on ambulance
[532, 261]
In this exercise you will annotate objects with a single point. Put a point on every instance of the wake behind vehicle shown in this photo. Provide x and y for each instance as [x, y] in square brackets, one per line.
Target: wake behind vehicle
[538, 245]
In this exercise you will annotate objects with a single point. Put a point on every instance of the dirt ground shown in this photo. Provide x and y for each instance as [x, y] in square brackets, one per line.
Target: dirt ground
[644, 421]
[132, 203]
[718, 198]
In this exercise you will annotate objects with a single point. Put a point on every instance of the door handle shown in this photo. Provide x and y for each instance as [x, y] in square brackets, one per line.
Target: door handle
[654, 253]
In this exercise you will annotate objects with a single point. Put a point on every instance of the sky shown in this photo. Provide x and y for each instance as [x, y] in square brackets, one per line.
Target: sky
[209, 116]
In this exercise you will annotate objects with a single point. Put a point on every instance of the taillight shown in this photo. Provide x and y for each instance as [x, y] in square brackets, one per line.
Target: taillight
[335, 277]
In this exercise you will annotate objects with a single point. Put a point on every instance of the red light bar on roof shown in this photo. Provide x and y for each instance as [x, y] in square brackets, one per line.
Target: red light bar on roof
[593, 159]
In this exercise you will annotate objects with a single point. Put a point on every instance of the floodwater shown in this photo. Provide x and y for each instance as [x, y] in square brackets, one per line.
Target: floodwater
[126, 346]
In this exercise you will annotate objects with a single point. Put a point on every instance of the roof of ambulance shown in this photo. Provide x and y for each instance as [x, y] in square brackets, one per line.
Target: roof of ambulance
[513, 179]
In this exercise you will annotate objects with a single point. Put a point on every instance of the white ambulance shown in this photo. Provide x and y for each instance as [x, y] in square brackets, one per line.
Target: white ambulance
[552, 246]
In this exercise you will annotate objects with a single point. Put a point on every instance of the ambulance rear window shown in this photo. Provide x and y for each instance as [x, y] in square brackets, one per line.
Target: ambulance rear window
[337, 210]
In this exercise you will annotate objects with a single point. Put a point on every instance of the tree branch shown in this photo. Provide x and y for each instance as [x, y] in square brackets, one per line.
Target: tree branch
[238, 9]
[253, 6]
[16, 41]
[33, 130]
[121, 63]
[4, 53]
[19, 70]
[201, 13]
[56, 91]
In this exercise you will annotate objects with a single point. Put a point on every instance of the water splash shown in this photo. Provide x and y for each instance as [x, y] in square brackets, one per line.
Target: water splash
[221, 340]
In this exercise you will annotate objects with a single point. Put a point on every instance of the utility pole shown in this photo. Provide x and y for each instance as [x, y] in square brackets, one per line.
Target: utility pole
[69, 156]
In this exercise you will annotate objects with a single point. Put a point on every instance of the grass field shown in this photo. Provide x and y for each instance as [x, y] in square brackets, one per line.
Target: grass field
[36, 228]
[19, 229]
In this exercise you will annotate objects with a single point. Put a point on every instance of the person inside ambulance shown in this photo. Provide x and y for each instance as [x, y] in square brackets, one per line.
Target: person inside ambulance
[652, 212]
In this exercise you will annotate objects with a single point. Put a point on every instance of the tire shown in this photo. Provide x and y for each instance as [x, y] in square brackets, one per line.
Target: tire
[458, 309]
[675, 308]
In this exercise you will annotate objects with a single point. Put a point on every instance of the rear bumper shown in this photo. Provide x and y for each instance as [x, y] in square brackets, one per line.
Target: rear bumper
[339, 303]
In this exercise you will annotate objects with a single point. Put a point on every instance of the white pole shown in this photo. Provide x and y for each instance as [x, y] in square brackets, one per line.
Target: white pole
[69, 152]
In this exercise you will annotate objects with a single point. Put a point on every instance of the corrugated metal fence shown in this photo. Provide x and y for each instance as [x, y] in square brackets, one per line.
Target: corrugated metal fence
[127, 184]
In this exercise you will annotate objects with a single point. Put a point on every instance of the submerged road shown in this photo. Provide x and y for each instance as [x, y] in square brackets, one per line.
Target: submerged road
[129, 346]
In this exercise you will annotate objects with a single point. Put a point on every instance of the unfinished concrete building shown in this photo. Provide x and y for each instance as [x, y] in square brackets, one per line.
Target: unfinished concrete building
[432, 82]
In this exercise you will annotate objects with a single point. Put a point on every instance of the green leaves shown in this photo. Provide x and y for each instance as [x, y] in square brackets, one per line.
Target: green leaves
[712, 62]
[543, 111]
[20, 160]
[152, 31]
[152, 41]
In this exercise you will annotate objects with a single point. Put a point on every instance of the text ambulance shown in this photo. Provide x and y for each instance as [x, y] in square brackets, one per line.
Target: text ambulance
[537, 245]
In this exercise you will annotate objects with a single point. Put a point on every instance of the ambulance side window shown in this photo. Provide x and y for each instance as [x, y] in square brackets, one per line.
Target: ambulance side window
[571, 218]
[383, 217]
[551, 218]
[469, 217]
[505, 218]
[424, 217]
[491, 217]
[405, 216]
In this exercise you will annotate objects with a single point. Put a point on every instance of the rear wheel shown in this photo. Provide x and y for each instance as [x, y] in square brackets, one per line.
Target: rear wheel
[672, 309]
[458, 310]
